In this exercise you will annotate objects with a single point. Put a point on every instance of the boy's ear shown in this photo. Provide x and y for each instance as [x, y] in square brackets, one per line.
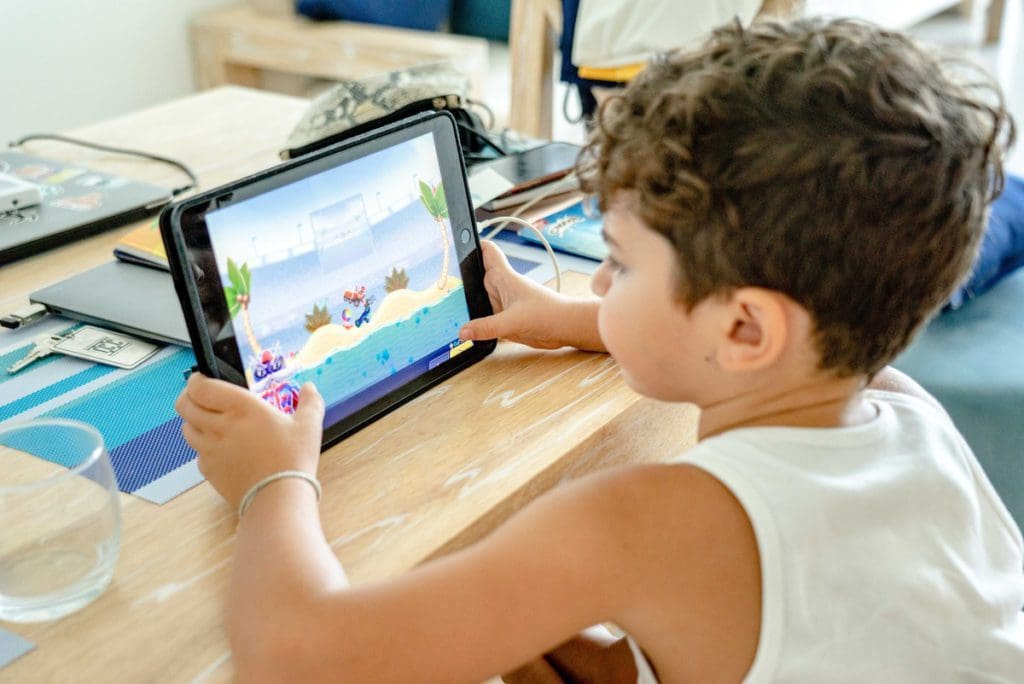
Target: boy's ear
[755, 329]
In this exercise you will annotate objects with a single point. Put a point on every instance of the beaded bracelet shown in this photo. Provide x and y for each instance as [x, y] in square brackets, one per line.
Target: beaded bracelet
[255, 489]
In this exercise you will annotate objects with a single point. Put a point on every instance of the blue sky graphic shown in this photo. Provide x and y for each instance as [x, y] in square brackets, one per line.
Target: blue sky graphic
[278, 221]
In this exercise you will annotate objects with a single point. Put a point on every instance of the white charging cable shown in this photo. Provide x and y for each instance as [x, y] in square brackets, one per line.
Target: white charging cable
[505, 220]
[502, 221]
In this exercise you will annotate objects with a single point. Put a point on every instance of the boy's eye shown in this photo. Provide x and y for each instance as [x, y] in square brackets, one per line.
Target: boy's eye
[614, 264]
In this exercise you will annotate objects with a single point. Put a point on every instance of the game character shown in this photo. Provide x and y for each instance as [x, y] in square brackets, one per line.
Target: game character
[272, 381]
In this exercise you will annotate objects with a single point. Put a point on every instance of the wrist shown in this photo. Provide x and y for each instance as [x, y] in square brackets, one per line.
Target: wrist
[287, 483]
[578, 316]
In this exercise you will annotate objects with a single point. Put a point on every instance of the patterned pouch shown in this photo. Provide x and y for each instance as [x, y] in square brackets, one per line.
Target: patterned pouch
[353, 107]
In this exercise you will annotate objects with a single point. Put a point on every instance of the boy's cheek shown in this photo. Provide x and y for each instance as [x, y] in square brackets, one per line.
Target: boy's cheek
[599, 281]
[601, 323]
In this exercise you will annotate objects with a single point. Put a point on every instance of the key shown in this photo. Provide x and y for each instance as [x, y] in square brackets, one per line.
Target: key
[39, 350]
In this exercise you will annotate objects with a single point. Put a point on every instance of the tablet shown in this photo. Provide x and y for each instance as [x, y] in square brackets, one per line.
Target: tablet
[352, 267]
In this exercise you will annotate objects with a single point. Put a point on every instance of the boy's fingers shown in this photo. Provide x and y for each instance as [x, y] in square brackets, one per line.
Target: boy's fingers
[493, 257]
[486, 328]
[195, 439]
[192, 413]
[311, 405]
[213, 395]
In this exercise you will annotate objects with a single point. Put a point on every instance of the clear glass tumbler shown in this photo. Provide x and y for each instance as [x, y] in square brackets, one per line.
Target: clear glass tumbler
[60, 519]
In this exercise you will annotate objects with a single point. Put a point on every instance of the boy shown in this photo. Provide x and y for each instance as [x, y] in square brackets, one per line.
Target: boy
[785, 207]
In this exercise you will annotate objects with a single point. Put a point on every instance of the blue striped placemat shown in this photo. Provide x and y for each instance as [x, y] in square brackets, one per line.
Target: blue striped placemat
[13, 647]
[132, 409]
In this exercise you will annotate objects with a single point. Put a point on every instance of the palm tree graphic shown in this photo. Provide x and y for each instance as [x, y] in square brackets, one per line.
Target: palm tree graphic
[437, 207]
[238, 296]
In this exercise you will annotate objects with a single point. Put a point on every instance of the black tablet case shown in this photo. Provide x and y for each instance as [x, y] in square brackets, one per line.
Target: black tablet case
[202, 345]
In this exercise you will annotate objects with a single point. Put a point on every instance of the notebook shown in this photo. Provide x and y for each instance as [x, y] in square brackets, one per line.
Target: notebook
[77, 202]
[144, 246]
[571, 229]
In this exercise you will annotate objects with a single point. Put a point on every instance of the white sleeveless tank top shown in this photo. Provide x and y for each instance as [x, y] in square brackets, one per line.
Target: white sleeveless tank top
[886, 555]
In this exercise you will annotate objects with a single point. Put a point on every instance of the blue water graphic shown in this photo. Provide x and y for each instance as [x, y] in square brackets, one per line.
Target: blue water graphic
[388, 350]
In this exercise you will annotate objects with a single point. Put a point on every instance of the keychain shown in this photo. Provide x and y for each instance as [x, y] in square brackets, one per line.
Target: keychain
[92, 344]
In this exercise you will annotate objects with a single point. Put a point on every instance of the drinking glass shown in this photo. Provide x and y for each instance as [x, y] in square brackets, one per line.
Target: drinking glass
[60, 519]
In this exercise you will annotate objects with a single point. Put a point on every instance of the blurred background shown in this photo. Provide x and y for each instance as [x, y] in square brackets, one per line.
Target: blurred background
[68, 63]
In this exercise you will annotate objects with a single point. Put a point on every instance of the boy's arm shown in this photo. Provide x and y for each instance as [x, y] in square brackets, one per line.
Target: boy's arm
[577, 556]
[531, 314]
[292, 617]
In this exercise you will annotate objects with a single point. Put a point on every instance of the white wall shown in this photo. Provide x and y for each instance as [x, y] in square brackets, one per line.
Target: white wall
[68, 63]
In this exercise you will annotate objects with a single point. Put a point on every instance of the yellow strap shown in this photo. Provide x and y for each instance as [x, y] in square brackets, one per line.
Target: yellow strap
[619, 74]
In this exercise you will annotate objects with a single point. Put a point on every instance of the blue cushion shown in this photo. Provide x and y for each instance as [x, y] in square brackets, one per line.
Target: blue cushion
[971, 361]
[1002, 248]
[425, 15]
[485, 18]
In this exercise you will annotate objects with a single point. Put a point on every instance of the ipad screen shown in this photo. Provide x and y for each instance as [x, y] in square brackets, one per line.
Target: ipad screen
[348, 278]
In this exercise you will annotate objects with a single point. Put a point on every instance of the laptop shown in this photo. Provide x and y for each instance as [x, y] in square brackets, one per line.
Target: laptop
[77, 202]
[138, 300]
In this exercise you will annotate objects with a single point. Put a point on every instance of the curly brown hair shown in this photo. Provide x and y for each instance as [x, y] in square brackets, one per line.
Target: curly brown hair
[832, 161]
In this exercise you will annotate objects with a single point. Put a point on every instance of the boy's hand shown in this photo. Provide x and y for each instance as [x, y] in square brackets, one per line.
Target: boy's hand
[529, 313]
[242, 439]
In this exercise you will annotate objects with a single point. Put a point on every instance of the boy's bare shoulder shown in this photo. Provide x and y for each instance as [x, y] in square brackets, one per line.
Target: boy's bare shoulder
[683, 520]
[676, 496]
[689, 550]
[646, 520]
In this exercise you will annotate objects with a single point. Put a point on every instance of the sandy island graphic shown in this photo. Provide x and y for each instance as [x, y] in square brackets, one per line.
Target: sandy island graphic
[337, 353]
[397, 306]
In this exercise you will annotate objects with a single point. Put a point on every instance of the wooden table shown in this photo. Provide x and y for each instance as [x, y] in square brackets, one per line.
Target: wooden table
[431, 477]
[242, 46]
